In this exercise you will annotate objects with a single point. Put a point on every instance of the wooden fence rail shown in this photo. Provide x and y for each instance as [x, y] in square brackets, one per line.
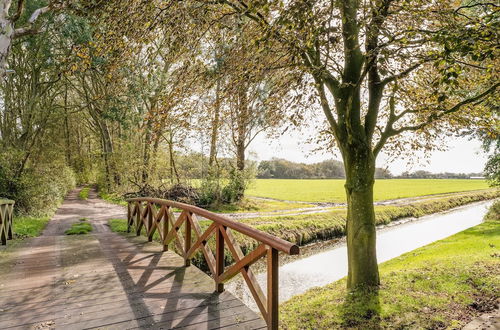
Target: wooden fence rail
[6, 211]
[154, 214]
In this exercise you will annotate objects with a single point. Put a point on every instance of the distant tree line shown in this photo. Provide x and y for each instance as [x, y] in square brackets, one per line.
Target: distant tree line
[329, 169]
[277, 168]
[446, 175]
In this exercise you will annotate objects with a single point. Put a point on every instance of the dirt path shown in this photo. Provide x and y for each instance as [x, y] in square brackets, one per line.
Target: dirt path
[104, 280]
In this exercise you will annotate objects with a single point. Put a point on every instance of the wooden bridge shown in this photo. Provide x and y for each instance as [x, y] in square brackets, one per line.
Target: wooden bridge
[108, 281]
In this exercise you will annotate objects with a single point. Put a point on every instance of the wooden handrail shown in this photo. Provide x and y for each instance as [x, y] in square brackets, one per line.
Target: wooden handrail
[155, 214]
[273, 241]
[6, 212]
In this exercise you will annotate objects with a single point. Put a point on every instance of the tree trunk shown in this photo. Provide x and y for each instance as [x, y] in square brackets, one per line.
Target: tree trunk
[146, 154]
[359, 163]
[6, 36]
[215, 129]
[173, 167]
[240, 154]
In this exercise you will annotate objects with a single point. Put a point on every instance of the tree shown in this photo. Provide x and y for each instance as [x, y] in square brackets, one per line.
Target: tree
[8, 30]
[383, 72]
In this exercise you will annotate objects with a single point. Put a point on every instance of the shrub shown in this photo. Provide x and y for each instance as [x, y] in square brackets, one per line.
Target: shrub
[38, 191]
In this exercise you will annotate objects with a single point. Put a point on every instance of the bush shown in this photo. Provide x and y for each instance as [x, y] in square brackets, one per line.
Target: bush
[38, 191]
[216, 191]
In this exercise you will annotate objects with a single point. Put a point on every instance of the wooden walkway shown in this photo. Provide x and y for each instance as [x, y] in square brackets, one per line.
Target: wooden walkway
[106, 281]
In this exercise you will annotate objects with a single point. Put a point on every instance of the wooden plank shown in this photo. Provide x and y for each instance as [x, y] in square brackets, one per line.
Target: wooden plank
[219, 258]
[244, 262]
[209, 256]
[272, 288]
[187, 242]
[201, 239]
[248, 275]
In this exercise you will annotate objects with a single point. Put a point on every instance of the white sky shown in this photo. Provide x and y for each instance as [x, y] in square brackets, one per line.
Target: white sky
[462, 156]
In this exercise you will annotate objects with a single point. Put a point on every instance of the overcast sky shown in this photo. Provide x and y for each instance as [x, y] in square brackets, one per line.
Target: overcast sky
[463, 156]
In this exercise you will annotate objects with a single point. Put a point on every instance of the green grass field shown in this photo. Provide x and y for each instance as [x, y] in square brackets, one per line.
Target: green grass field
[333, 190]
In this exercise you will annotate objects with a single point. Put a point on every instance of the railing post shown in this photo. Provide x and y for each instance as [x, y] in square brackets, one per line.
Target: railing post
[129, 217]
[272, 288]
[219, 258]
[138, 220]
[165, 228]
[9, 220]
[3, 223]
[187, 241]
[150, 222]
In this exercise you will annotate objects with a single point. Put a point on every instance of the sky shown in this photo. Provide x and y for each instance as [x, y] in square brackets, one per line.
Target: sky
[463, 155]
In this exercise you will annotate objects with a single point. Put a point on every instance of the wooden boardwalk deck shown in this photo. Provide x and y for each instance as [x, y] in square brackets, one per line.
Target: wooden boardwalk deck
[107, 281]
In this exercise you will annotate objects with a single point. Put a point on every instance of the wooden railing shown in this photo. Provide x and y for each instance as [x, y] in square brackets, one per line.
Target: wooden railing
[157, 215]
[6, 211]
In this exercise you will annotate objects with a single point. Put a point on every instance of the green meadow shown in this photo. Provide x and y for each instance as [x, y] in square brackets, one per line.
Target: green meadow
[332, 190]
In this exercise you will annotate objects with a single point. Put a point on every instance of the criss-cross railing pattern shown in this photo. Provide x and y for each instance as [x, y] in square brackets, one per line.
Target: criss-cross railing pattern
[6, 210]
[156, 215]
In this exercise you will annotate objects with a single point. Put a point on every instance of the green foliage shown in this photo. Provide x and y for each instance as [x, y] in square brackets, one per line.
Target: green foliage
[492, 169]
[216, 191]
[441, 285]
[494, 212]
[79, 228]
[39, 189]
[84, 193]
[24, 227]
[333, 191]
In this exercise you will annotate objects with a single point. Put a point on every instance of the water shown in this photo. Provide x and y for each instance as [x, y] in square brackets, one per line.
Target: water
[331, 265]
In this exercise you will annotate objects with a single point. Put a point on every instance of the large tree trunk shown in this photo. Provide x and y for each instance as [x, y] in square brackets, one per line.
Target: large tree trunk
[6, 36]
[359, 163]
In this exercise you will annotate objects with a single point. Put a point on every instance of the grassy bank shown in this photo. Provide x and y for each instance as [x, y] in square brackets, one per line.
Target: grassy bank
[333, 191]
[304, 229]
[442, 285]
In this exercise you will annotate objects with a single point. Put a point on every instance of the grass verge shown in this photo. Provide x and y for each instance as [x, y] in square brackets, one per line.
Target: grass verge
[442, 285]
[249, 204]
[112, 198]
[84, 193]
[26, 226]
[79, 228]
[304, 229]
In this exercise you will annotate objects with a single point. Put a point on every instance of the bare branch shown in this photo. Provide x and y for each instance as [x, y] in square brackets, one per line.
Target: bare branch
[403, 73]
[24, 31]
[37, 13]
[19, 11]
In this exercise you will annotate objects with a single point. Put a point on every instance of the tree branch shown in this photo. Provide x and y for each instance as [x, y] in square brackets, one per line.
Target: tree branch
[24, 31]
[435, 116]
[19, 11]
